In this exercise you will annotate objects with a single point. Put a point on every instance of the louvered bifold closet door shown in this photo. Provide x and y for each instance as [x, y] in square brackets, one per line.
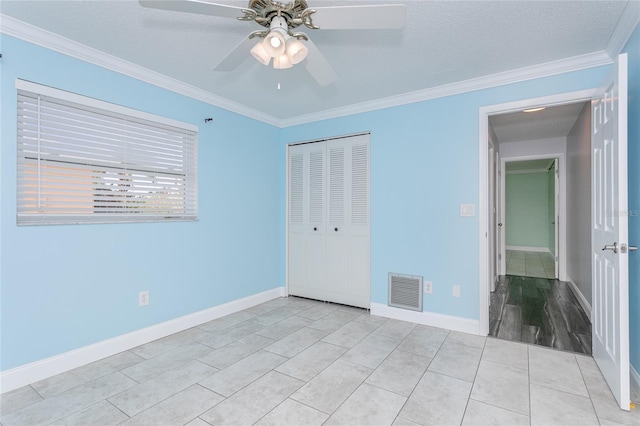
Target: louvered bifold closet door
[348, 264]
[328, 252]
[307, 221]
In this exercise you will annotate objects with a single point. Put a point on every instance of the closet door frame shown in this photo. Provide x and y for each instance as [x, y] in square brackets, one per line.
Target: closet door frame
[287, 206]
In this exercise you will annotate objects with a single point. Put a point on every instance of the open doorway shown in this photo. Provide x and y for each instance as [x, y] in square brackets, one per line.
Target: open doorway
[542, 153]
[605, 188]
[531, 217]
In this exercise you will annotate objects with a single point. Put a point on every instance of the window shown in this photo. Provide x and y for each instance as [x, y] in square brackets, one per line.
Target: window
[81, 160]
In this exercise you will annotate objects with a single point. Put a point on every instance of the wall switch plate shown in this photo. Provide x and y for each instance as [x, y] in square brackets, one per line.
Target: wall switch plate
[467, 210]
[456, 291]
[143, 298]
[427, 287]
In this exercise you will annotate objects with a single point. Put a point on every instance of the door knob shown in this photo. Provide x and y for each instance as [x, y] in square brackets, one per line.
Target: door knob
[613, 248]
[336, 229]
[500, 224]
[315, 229]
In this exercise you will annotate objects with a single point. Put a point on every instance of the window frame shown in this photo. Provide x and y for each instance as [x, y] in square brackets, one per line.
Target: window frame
[158, 190]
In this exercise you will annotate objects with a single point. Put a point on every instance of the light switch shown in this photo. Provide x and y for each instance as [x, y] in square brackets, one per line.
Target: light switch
[467, 210]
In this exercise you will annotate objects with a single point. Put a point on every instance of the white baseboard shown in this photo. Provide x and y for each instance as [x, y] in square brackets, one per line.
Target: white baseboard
[42, 369]
[635, 381]
[581, 299]
[532, 249]
[432, 319]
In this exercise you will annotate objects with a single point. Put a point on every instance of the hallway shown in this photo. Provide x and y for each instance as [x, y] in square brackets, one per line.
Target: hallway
[530, 305]
[539, 311]
[530, 264]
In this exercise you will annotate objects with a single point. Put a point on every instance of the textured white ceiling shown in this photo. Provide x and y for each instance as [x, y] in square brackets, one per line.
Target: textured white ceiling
[443, 42]
[552, 122]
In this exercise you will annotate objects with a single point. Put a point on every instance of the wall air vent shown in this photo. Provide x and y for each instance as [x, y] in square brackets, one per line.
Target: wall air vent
[405, 291]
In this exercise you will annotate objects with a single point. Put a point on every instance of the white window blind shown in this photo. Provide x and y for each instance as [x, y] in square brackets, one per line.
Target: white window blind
[81, 160]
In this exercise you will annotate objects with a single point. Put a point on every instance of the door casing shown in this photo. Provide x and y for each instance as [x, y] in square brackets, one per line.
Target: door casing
[560, 207]
[484, 213]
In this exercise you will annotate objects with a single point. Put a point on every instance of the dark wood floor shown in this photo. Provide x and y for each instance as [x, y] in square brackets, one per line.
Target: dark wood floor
[539, 311]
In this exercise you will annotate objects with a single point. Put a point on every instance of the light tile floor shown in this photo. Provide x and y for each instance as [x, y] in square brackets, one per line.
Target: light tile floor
[530, 264]
[293, 361]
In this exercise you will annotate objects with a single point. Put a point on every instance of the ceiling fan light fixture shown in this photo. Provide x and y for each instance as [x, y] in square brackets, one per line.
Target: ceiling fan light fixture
[260, 54]
[274, 43]
[282, 62]
[296, 50]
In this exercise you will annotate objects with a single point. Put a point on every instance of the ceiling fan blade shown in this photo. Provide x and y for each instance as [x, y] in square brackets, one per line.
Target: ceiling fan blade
[236, 56]
[195, 6]
[318, 66]
[383, 16]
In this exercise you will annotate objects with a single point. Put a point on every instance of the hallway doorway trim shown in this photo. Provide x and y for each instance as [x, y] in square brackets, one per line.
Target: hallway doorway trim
[483, 179]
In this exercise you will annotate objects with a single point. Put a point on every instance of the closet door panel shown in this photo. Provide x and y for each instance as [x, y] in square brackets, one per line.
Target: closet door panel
[307, 246]
[337, 235]
[297, 238]
[358, 274]
[316, 230]
[348, 260]
[359, 222]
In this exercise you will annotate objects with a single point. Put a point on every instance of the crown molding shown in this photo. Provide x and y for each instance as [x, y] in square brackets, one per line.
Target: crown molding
[575, 63]
[627, 24]
[38, 36]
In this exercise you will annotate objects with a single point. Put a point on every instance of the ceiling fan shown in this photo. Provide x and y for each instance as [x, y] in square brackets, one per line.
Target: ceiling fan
[278, 41]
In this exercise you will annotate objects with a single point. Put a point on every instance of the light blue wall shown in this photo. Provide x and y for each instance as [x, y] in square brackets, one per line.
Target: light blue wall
[633, 50]
[424, 164]
[64, 287]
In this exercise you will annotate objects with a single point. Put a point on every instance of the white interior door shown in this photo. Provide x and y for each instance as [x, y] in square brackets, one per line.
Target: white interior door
[610, 266]
[338, 232]
[328, 221]
[556, 219]
[499, 260]
[348, 258]
[307, 200]
[502, 239]
[492, 220]
[297, 226]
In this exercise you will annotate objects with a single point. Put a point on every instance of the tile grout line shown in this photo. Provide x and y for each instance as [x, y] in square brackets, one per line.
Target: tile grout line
[466, 407]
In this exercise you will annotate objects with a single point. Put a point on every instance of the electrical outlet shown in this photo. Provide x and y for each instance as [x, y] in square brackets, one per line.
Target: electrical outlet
[143, 298]
[428, 287]
[456, 291]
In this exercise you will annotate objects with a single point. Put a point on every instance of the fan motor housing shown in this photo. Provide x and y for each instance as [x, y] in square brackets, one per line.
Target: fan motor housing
[267, 9]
